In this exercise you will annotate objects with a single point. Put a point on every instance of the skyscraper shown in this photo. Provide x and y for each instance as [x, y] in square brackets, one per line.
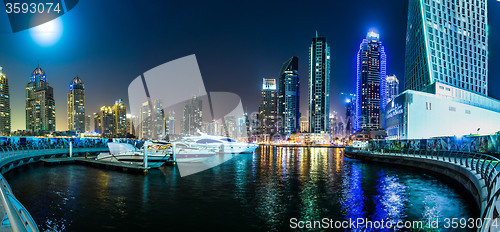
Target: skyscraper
[370, 86]
[446, 73]
[4, 104]
[104, 121]
[447, 42]
[193, 116]
[268, 108]
[288, 97]
[392, 89]
[119, 118]
[319, 85]
[40, 104]
[76, 105]
[151, 118]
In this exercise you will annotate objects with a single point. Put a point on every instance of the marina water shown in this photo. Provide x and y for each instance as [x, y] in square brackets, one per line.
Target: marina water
[262, 191]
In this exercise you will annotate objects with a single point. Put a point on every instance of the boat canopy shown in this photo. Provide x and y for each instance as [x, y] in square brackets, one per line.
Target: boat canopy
[117, 148]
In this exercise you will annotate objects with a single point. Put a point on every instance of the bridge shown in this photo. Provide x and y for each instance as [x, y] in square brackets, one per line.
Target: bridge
[478, 172]
[16, 151]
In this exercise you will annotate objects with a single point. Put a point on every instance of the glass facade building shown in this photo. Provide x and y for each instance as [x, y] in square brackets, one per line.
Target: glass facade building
[392, 89]
[40, 104]
[76, 105]
[447, 42]
[288, 97]
[4, 105]
[319, 85]
[268, 108]
[371, 83]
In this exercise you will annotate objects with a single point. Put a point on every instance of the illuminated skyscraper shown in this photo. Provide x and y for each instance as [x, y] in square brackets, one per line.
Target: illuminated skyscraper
[392, 89]
[104, 121]
[447, 42]
[370, 87]
[40, 104]
[319, 85]
[288, 97]
[76, 105]
[4, 104]
[193, 116]
[267, 108]
[119, 118]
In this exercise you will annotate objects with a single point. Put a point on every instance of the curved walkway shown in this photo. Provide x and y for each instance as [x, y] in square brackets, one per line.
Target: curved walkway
[480, 173]
[15, 216]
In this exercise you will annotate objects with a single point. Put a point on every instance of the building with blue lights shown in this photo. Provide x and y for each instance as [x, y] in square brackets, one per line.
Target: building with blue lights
[268, 107]
[370, 84]
[446, 73]
[288, 97]
[4, 105]
[391, 89]
[76, 105]
[40, 104]
[319, 85]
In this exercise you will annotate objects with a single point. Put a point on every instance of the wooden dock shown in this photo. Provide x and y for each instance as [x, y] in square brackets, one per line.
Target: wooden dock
[116, 166]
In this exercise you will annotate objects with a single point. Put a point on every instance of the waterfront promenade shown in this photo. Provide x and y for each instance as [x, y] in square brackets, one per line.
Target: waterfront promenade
[479, 173]
[16, 152]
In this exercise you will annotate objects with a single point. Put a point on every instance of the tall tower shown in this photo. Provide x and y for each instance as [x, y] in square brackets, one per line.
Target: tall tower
[370, 86]
[76, 105]
[392, 89]
[288, 97]
[40, 104]
[267, 108]
[119, 118]
[193, 116]
[4, 104]
[447, 42]
[104, 121]
[319, 85]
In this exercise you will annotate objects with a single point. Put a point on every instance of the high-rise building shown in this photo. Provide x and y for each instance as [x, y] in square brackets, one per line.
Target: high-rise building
[87, 123]
[350, 115]
[268, 108]
[40, 104]
[104, 121]
[151, 118]
[170, 124]
[288, 97]
[76, 105]
[392, 89]
[119, 118]
[447, 42]
[304, 124]
[446, 73]
[370, 86]
[193, 116]
[319, 85]
[4, 105]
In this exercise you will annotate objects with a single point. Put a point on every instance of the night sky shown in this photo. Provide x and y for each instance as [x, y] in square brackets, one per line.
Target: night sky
[237, 43]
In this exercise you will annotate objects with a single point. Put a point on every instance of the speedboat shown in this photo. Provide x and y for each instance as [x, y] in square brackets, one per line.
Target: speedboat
[158, 153]
[224, 144]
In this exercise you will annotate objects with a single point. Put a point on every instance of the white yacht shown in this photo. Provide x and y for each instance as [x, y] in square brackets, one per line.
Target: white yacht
[223, 144]
[158, 153]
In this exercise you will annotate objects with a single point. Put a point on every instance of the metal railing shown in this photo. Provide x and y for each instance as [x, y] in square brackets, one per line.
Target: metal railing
[19, 218]
[486, 166]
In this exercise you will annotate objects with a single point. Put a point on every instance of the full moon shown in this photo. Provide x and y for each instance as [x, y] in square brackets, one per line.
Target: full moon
[47, 34]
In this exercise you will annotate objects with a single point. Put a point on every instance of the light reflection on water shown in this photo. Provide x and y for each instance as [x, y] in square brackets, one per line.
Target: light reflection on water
[251, 192]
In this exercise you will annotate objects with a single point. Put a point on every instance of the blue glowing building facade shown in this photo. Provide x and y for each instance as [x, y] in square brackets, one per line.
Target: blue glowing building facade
[371, 84]
[40, 104]
[288, 97]
[319, 85]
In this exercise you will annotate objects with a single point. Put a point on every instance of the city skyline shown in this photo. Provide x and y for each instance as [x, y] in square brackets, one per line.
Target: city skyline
[104, 66]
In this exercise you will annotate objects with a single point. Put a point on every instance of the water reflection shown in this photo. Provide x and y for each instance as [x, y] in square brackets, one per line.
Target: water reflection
[250, 192]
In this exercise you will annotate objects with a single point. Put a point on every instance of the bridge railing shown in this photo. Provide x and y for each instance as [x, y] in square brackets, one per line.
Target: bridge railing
[484, 165]
[19, 218]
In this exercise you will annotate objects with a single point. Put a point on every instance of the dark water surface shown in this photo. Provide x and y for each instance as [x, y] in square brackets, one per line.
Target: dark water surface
[251, 192]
